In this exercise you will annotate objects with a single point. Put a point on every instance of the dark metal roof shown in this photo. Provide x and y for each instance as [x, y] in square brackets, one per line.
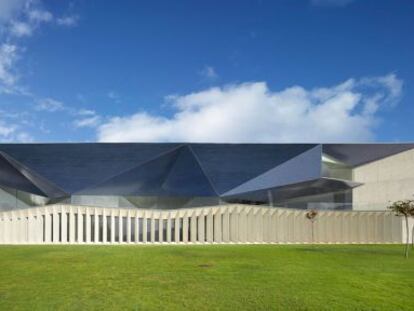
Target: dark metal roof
[170, 168]
[229, 165]
[303, 167]
[74, 167]
[175, 173]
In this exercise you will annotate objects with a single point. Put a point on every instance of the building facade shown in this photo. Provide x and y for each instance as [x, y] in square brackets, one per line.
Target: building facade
[166, 192]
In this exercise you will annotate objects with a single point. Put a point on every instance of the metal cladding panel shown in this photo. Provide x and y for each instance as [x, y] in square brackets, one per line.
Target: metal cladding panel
[230, 165]
[12, 178]
[358, 154]
[175, 173]
[303, 167]
[55, 169]
[74, 167]
[50, 190]
[307, 188]
[186, 177]
[145, 179]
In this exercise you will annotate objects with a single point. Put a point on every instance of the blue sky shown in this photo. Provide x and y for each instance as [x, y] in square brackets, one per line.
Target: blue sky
[221, 71]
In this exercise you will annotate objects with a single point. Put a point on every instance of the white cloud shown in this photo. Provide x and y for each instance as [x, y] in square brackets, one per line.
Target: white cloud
[24, 17]
[8, 57]
[49, 104]
[337, 3]
[22, 137]
[68, 21]
[389, 82]
[40, 16]
[8, 8]
[88, 118]
[18, 18]
[21, 29]
[251, 112]
[86, 112]
[6, 130]
[209, 73]
[12, 132]
[93, 121]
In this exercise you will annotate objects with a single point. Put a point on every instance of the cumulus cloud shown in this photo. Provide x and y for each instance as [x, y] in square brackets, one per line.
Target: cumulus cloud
[251, 112]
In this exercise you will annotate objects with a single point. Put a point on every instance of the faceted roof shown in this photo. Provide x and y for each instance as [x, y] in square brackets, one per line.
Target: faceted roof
[172, 169]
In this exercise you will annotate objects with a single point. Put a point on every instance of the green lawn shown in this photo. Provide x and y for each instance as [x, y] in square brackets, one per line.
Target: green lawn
[226, 277]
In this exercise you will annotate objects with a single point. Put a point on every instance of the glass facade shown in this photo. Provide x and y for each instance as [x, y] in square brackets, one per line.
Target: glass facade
[21, 200]
[340, 200]
[12, 199]
[152, 202]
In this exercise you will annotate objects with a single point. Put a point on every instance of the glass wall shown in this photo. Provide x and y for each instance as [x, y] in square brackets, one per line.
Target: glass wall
[147, 202]
[340, 200]
[334, 169]
[11, 199]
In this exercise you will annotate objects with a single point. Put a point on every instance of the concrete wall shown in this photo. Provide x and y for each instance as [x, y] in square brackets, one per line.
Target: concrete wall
[386, 180]
[69, 224]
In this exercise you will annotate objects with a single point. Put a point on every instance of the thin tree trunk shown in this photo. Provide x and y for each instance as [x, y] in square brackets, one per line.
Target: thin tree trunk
[412, 237]
[408, 236]
[313, 239]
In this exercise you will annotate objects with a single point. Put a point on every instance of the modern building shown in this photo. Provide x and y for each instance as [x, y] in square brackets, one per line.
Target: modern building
[78, 186]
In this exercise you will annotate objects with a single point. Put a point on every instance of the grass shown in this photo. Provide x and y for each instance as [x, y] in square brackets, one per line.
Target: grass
[227, 277]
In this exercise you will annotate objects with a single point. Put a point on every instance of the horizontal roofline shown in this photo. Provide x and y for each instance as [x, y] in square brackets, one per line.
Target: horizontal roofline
[206, 143]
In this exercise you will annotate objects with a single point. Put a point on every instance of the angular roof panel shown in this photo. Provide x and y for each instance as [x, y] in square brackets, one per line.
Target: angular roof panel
[45, 186]
[286, 192]
[143, 179]
[174, 173]
[76, 166]
[66, 168]
[230, 165]
[303, 167]
[11, 177]
[186, 177]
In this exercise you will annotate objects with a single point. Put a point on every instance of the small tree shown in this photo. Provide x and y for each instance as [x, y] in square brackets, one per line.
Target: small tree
[412, 236]
[311, 215]
[404, 208]
[412, 229]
